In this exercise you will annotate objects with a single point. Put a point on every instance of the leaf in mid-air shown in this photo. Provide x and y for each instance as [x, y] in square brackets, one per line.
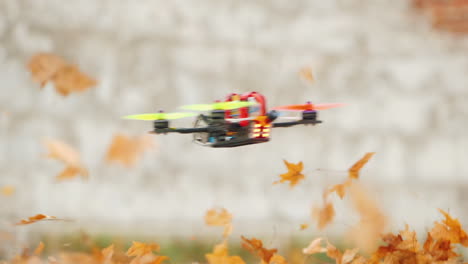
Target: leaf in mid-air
[323, 215]
[339, 189]
[314, 247]
[306, 74]
[139, 249]
[220, 217]
[255, 246]
[39, 249]
[126, 150]
[294, 174]
[65, 153]
[69, 79]
[354, 170]
[44, 66]
[37, 218]
[220, 255]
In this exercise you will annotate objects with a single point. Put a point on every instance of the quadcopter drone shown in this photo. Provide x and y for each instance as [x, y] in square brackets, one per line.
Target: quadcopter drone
[239, 120]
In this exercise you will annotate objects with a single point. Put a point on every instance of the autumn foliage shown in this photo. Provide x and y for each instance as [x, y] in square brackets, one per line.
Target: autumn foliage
[127, 150]
[294, 174]
[66, 77]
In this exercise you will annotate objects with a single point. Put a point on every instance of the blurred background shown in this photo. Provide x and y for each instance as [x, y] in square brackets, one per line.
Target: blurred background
[400, 66]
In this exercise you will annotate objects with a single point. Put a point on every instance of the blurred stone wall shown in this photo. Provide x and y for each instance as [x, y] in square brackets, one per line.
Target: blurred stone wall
[405, 86]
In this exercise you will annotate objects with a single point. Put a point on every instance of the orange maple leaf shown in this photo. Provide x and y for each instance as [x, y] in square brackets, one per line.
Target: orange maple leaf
[220, 255]
[65, 153]
[39, 249]
[340, 189]
[126, 150]
[323, 215]
[450, 229]
[293, 175]
[70, 79]
[278, 259]
[314, 247]
[354, 170]
[255, 246]
[149, 258]
[38, 217]
[44, 66]
[222, 217]
[67, 78]
[103, 256]
[139, 249]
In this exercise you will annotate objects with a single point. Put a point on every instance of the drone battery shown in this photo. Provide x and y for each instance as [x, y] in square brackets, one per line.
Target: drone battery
[161, 124]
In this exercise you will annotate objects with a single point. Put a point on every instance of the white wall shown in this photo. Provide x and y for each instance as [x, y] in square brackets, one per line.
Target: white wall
[405, 86]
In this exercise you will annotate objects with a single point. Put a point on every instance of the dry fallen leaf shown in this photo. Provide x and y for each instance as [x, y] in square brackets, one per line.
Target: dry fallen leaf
[354, 170]
[65, 153]
[340, 189]
[7, 190]
[67, 78]
[220, 217]
[139, 249]
[220, 255]
[293, 175]
[334, 253]
[126, 150]
[149, 258]
[37, 218]
[349, 255]
[70, 79]
[278, 259]
[449, 229]
[304, 226]
[39, 249]
[307, 74]
[314, 247]
[323, 215]
[44, 66]
[255, 246]
[105, 255]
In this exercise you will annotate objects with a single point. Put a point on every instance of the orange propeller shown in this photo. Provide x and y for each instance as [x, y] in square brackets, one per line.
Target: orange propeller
[307, 107]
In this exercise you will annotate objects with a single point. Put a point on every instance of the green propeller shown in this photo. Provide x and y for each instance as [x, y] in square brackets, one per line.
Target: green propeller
[159, 116]
[218, 106]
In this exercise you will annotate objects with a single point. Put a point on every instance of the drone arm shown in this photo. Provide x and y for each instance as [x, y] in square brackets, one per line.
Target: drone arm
[295, 123]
